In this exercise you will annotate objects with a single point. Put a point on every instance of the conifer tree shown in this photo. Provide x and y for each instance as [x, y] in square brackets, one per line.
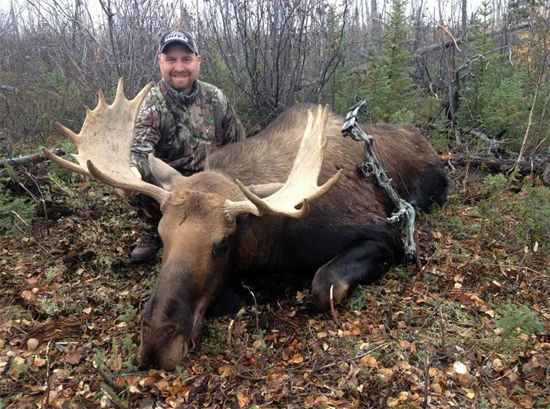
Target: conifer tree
[388, 85]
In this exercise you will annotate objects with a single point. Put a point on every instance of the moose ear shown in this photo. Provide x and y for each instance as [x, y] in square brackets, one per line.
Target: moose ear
[165, 174]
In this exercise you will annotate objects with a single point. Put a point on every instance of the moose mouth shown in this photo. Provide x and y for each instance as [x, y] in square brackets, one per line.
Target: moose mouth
[170, 352]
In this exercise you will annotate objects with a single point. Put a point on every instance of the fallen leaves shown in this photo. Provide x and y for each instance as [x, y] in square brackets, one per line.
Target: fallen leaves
[432, 339]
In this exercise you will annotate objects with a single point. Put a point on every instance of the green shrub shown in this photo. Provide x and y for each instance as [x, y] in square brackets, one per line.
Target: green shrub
[11, 207]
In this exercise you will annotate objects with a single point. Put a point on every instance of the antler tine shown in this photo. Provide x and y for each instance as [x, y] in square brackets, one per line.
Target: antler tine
[67, 132]
[101, 103]
[301, 185]
[73, 167]
[119, 91]
[157, 193]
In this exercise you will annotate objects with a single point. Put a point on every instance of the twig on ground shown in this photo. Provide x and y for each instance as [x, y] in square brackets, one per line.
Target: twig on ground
[29, 233]
[243, 376]
[113, 399]
[229, 329]
[355, 358]
[417, 254]
[426, 382]
[41, 200]
[441, 327]
[425, 266]
[107, 378]
[465, 176]
[48, 368]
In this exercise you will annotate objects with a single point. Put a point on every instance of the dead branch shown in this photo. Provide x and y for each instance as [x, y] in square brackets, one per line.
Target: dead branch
[6, 88]
[446, 44]
[33, 158]
[107, 378]
[535, 166]
[526, 136]
[450, 35]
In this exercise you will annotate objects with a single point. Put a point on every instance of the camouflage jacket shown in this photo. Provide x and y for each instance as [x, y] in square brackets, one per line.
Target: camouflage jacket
[182, 130]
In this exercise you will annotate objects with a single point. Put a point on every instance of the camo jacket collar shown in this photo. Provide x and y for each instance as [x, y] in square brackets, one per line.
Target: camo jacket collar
[180, 97]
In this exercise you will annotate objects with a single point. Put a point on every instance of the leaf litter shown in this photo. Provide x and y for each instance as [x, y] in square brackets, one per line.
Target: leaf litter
[469, 330]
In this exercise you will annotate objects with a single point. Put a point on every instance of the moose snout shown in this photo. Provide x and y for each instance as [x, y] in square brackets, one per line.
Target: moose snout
[166, 354]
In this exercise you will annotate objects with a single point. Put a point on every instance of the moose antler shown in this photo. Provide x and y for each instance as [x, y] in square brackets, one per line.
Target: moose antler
[104, 144]
[301, 185]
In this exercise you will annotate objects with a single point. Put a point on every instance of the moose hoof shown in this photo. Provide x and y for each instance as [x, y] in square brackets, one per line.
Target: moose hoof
[327, 289]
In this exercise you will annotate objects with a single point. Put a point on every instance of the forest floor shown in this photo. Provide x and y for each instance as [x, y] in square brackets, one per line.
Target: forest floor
[470, 329]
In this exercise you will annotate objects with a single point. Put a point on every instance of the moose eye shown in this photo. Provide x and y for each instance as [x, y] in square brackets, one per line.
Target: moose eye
[220, 248]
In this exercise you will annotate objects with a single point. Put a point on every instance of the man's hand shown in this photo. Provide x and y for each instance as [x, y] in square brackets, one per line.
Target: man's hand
[127, 193]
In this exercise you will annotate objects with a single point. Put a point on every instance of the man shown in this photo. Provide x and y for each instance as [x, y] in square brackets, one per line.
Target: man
[181, 121]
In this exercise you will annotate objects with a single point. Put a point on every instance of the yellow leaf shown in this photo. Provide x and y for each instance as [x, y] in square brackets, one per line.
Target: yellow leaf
[243, 399]
[297, 359]
[369, 360]
[162, 385]
[226, 371]
[322, 335]
[38, 362]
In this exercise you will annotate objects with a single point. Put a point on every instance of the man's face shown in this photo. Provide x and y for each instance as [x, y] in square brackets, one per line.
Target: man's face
[179, 67]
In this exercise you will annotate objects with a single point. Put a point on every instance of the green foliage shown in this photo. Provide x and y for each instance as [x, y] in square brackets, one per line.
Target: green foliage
[215, 71]
[342, 88]
[18, 369]
[129, 313]
[9, 206]
[49, 307]
[12, 206]
[36, 106]
[515, 220]
[491, 209]
[387, 83]
[462, 230]
[215, 342]
[15, 313]
[493, 98]
[357, 299]
[533, 215]
[513, 320]
[260, 341]
[129, 351]
[505, 109]
[523, 318]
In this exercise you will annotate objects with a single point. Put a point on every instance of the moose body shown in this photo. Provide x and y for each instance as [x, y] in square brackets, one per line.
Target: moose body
[246, 212]
[353, 211]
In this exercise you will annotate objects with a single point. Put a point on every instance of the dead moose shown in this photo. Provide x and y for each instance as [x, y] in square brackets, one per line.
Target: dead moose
[238, 216]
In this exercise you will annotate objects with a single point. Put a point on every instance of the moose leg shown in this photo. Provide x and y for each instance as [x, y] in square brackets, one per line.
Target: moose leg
[360, 263]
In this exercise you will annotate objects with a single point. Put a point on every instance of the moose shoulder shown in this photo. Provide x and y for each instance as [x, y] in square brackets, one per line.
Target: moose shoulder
[258, 207]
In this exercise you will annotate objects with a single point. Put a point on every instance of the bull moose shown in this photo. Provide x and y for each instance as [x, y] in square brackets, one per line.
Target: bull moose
[257, 207]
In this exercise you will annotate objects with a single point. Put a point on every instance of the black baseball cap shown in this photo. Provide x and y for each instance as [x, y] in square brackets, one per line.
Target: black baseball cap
[178, 36]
